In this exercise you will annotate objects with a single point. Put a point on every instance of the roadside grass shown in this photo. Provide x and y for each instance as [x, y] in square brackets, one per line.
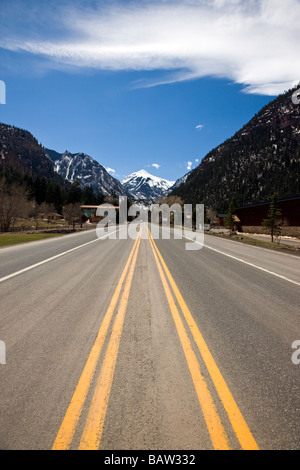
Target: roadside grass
[15, 238]
[260, 243]
[31, 224]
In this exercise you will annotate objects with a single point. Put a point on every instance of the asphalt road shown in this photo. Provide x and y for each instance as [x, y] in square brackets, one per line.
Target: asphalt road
[123, 344]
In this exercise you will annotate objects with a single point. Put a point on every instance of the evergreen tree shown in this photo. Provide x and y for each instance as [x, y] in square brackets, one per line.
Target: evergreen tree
[54, 195]
[59, 198]
[100, 198]
[88, 196]
[272, 222]
[74, 194]
[230, 215]
[40, 189]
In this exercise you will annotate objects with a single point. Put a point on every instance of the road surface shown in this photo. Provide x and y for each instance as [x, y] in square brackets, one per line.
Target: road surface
[140, 344]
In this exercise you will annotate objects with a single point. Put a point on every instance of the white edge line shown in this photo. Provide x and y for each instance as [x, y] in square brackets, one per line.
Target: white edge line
[261, 248]
[17, 273]
[246, 262]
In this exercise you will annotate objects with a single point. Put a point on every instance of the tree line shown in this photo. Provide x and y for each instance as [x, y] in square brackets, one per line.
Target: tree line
[24, 196]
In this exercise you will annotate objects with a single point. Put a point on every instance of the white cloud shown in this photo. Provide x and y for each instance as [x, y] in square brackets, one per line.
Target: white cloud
[155, 165]
[253, 43]
[190, 164]
[110, 170]
[199, 127]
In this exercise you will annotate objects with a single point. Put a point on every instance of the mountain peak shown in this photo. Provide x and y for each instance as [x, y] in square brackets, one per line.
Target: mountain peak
[143, 186]
[86, 170]
[143, 173]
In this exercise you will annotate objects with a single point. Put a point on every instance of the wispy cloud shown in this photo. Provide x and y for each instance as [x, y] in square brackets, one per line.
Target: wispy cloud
[155, 165]
[199, 127]
[253, 43]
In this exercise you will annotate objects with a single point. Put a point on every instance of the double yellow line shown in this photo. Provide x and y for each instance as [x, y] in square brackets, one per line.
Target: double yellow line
[93, 428]
[215, 427]
[92, 432]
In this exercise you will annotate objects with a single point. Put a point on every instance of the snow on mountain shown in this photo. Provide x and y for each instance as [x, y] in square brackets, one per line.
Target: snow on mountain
[86, 170]
[179, 182]
[142, 186]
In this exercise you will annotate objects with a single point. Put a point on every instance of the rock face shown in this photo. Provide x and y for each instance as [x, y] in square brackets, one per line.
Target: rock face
[261, 158]
[83, 168]
[143, 187]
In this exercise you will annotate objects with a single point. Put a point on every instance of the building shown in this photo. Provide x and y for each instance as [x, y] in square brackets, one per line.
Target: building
[221, 222]
[50, 216]
[252, 215]
[89, 212]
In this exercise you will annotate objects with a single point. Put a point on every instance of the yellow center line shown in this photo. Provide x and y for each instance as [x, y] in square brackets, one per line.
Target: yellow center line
[92, 433]
[70, 421]
[236, 418]
[212, 419]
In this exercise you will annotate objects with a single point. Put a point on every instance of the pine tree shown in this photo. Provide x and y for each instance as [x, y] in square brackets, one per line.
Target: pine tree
[55, 196]
[230, 215]
[40, 189]
[272, 222]
[100, 198]
[88, 196]
[74, 194]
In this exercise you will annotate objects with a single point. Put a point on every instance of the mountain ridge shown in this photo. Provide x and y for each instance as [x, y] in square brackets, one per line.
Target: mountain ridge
[21, 152]
[261, 158]
[87, 171]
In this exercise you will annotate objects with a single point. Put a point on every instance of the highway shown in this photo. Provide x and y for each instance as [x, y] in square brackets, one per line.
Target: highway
[122, 344]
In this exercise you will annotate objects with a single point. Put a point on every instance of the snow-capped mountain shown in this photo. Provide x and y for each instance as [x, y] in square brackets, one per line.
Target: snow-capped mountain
[86, 170]
[142, 186]
[179, 182]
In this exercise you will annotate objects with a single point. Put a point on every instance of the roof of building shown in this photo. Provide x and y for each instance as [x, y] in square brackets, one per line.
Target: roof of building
[103, 206]
[282, 199]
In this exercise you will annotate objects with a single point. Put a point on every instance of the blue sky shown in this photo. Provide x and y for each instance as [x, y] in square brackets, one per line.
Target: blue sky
[144, 84]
